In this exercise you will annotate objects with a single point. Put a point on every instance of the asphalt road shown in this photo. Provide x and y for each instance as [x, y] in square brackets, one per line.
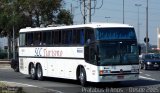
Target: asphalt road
[149, 82]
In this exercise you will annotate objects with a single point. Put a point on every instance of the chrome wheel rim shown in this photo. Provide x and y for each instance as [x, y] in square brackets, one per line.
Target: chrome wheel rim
[32, 70]
[81, 77]
[39, 73]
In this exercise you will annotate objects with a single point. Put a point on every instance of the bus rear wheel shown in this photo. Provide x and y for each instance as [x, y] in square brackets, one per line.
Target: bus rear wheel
[32, 72]
[39, 72]
[82, 77]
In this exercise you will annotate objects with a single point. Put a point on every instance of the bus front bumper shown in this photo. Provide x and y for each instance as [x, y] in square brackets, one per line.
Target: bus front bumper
[113, 78]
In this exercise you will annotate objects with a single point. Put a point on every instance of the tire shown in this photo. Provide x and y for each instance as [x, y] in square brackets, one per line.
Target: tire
[32, 72]
[39, 72]
[82, 77]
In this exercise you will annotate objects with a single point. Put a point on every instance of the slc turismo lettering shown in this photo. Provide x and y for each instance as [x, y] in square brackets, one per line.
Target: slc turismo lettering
[40, 52]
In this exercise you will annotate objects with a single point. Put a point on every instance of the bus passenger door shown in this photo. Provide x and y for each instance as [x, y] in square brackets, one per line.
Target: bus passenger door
[90, 57]
[90, 54]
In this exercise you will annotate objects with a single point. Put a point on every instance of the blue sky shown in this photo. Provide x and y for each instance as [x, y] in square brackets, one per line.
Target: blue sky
[114, 10]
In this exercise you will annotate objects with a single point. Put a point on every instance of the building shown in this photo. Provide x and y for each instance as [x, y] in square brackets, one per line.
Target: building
[3, 42]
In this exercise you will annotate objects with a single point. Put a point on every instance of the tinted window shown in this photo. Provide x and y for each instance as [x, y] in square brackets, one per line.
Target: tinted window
[89, 35]
[57, 37]
[78, 36]
[115, 33]
[37, 38]
[66, 36]
[29, 39]
[22, 39]
[47, 40]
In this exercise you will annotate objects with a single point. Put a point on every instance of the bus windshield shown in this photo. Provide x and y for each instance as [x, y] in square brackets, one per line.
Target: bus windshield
[115, 33]
[118, 53]
[117, 46]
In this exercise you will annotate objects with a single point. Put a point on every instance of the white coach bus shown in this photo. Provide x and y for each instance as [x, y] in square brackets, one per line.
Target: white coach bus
[96, 52]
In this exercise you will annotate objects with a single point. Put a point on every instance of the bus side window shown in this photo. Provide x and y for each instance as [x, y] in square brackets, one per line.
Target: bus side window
[69, 37]
[78, 36]
[43, 38]
[89, 35]
[46, 40]
[52, 37]
[37, 38]
[57, 37]
[22, 39]
[75, 36]
[29, 39]
[66, 37]
[82, 37]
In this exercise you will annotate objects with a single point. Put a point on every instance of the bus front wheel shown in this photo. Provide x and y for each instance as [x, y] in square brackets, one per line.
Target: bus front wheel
[82, 77]
[32, 72]
[39, 72]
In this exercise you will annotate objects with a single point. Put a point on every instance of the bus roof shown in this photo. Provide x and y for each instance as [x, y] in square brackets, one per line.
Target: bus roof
[91, 25]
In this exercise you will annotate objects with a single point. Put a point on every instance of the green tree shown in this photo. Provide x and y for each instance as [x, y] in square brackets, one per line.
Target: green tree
[32, 13]
[18, 14]
[64, 17]
[11, 18]
[42, 11]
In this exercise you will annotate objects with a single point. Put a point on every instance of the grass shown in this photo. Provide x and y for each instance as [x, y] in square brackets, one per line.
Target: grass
[3, 84]
[5, 88]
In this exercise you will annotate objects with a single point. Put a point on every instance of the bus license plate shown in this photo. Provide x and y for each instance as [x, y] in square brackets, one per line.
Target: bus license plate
[120, 77]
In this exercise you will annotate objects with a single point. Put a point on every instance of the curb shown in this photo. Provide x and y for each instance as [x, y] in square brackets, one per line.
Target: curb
[4, 62]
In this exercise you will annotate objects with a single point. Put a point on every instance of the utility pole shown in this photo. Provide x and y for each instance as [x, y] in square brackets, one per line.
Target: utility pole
[138, 5]
[123, 11]
[87, 7]
[71, 9]
[13, 30]
[89, 11]
[147, 28]
[13, 38]
[13, 43]
[84, 11]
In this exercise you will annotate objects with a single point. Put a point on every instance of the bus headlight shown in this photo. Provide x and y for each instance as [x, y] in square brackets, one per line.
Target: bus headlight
[104, 72]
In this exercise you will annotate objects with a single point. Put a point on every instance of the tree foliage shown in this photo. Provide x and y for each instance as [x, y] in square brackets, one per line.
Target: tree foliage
[32, 13]
[65, 17]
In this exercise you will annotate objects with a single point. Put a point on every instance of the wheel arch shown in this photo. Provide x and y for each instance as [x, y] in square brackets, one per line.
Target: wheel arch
[38, 63]
[29, 67]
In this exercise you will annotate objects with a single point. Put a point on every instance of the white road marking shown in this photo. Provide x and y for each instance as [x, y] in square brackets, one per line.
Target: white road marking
[146, 78]
[5, 67]
[28, 85]
[147, 75]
